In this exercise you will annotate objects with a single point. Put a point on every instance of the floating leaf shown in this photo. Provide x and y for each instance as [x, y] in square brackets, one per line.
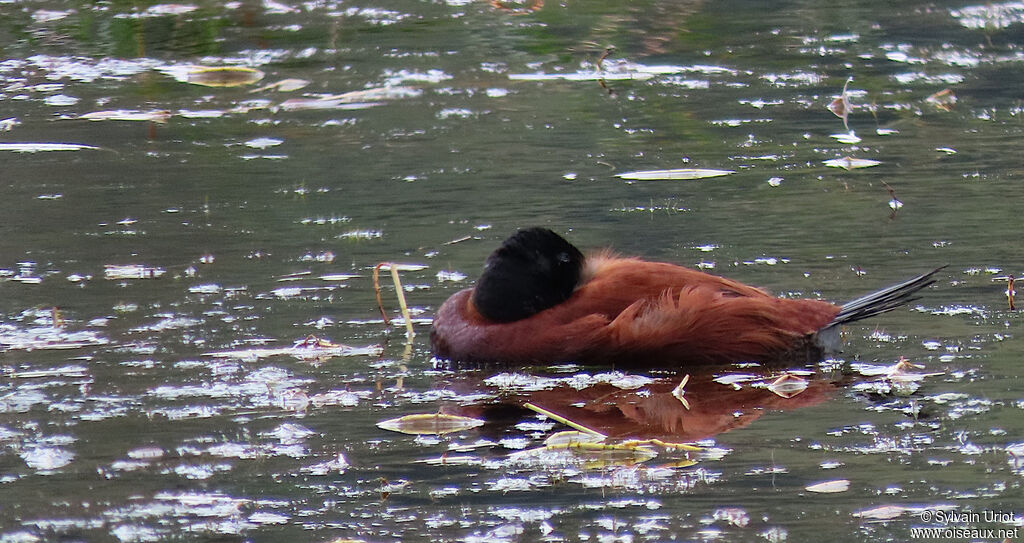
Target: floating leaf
[309, 348]
[788, 385]
[131, 271]
[846, 137]
[735, 380]
[850, 163]
[222, 76]
[157, 116]
[902, 371]
[592, 455]
[430, 424]
[680, 173]
[360, 99]
[829, 487]
[884, 512]
[41, 147]
[284, 85]
[376, 93]
[572, 436]
[300, 104]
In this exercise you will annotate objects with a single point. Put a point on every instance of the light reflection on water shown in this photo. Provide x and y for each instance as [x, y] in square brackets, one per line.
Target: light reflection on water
[190, 341]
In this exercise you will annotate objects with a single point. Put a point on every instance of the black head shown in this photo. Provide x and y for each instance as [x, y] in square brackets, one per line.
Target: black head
[531, 271]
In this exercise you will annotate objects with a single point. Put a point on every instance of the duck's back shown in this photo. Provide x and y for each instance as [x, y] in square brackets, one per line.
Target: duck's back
[629, 310]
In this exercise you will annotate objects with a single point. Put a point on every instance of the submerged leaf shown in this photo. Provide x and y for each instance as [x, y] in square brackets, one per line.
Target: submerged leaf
[680, 173]
[430, 424]
[850, 163]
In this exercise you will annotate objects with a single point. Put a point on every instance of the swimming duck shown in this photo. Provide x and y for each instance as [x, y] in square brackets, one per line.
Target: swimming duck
[540, 300]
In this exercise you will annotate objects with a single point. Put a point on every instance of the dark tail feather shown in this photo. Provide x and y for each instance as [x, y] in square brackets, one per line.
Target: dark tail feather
[883, 300]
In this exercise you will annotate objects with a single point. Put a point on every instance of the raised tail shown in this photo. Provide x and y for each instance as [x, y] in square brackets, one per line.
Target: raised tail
[872, 304]
[884, 300]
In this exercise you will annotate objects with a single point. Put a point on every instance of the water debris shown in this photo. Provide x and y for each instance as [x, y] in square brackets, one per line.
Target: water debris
[399, 291]
[47, 459]
[337, 464]
[156, 115]
[591, 455]
[45, 147]
[48, 338]
[573, 436]
[850, 163]
[284, 85]
[300, 104]
[943, 100]
[1010, 292]
[360, 99]
[524, 9]
[736, 380]
[841, 106]
[788, 385]
[430, 424]
[222, 76]
[889, 512]
[338, 276]
[675, 174]
[131, 271]
[563, 420]
[308, 348]
[829, 487]
[846, 137]
[680, 390]
[620, 70]
[902, 371]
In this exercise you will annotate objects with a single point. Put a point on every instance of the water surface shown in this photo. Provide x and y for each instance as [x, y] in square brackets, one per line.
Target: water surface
[166, 244]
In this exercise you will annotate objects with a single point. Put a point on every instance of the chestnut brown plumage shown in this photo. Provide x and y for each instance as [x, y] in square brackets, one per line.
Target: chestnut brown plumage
[539, 300]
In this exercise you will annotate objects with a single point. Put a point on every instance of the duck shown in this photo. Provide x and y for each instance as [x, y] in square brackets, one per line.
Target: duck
[540, 300]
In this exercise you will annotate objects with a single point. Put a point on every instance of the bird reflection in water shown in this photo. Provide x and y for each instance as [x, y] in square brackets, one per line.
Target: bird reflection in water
[677, 408]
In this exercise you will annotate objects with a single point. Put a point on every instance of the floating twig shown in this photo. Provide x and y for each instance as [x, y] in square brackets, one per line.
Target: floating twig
[399, 291]
[563, 420]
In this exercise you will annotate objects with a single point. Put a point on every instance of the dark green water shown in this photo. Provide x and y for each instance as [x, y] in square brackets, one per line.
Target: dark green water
[174, 247]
